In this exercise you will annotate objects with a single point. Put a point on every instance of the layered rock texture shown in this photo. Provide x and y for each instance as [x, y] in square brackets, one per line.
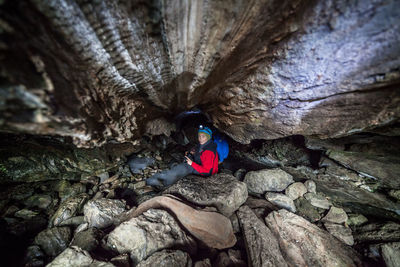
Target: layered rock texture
[99, 71]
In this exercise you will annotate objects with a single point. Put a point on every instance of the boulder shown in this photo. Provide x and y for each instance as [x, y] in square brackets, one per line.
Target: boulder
[335, 215]
[274, 180]
[391, 254]
[311, 186]
[151, 231]
[377, 232]
[68, 209]
[174, 258]
[305, 244]
[101, 213]
[341, 232]
[222, 191]
[281, 200]
[306, 210]
[54, 240]
[318, 201]
[261, 245]
[295, 190]
[76, 257]
[87, 240]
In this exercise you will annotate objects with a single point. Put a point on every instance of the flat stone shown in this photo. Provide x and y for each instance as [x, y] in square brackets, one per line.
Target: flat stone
[281, 200]
[101, 213]
[295, 190]
[222, 191]
[26, 214]
[151, 231]
[274, 180]
[341, 232]
[305, 244]
[68, 209]
[53, 240]
[167, 258]
[261, 245]
[311, 186]
[335, 215]
[318, 201]
[391, 254]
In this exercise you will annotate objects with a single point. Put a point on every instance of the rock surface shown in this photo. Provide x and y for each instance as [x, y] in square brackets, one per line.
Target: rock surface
[340, 232]
[68, 209]
[261, 245]
[167, 258]
[267, 180]
[304, 244]
[281, 201]
[222, 191]
[391, 254]
[101, 213]
[54, 240]
[76, 257]
[335, 215]
[296, 190]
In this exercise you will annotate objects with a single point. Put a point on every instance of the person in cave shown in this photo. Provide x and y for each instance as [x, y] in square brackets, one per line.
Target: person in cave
[201, 160]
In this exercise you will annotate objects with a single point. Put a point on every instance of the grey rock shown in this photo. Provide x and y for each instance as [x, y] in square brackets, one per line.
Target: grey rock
[311, 186]
[261, 245]
[306, 210]
[73, 221]
[267, 180]
[26, 214]
[87, 240]
[356, 219]
[305, 244]
[281, 201]
[41, 201]
[74, 256]
[318, 201]
[102, 212]
[341, 232]
[222, 191]
[296, 190]
[336, 215]
[235, 223]
[152, 231]
[377, 232]
[103, 176]
[68, 209]
[54, 240]
[167, 258]
[391, 254]
[82, 227]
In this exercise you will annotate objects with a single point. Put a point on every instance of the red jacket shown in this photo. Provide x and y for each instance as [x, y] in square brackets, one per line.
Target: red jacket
[209, 160]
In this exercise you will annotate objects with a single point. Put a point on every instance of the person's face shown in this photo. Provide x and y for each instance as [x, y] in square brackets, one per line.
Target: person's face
[202, 138]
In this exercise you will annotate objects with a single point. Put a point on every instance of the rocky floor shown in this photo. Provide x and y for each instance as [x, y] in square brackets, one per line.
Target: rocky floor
[264, 208]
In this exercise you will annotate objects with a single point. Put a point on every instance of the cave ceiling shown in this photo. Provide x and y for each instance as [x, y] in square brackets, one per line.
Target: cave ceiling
[99, 71]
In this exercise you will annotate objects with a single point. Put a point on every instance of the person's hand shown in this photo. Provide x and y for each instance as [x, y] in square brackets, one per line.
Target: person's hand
[192, 151]
[188, 161]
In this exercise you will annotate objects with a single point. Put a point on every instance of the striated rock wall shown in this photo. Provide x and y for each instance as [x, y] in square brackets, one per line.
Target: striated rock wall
[99, 70]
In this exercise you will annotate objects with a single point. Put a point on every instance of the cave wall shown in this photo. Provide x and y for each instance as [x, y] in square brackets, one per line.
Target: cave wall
[98, 71]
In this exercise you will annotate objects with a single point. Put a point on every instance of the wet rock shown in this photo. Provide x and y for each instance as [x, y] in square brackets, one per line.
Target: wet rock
[318, 201]
[152, 231]
[356, 219]
[54, 240]
[68, 209]
[222, 191]
[340, 232]
[41, 201]
[281, 201]
[311, 186]
[121, 260]
[305, 244]
[335, 215]
[377, 232]
[26, 214]
[261, 244]
[74, 256]
[87, 240]
[274, 180]
[167, 258]
[306, 210]
[391, 254]
[101, 213]
[295, 190]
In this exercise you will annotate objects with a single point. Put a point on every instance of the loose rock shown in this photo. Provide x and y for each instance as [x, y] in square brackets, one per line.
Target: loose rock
[175, 258]
[340, 232]
[306, 210]
[68, 209]
[101, 213]
[87, 240]
[335, 215]
[274, 180]
[295, 190]
[356, 220]
[318, 201]
[54, 240]
[281, 201]
[391, 254]
[311, 186]
[76, 257]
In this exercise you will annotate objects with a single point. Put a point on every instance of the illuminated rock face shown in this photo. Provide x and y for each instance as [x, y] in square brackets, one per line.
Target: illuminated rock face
[99, 70]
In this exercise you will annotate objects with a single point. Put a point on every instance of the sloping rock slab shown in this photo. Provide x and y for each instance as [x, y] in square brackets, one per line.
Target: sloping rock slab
[76, 257]
[341, 232]
[214, 229]
[222, 191]
[101, 213]
[273, 180]
[391, 254]
[261, 245]
[151, 231]
[166, 258]
[305, 244]
[68, 209]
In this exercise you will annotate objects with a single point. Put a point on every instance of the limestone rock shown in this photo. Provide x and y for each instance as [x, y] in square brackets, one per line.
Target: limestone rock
[318, 201]
[340, 232]
[281, 201]
[74, 256]
[311, 186]
[304, 244]
[261, 245]
[335, 215]
[102, 212]
[152, 231]
[68, 209]
[167, 258]
[267, 180]
[295, 190]
[391, 254]
[54, 240]
[222, 191]
[306, 210]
